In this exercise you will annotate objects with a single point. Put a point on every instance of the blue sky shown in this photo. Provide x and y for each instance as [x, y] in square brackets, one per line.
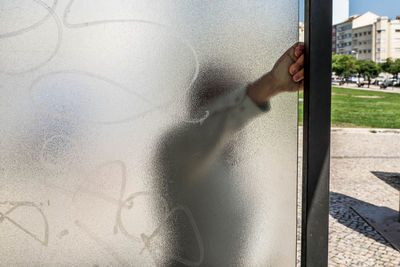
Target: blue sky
[390, 8]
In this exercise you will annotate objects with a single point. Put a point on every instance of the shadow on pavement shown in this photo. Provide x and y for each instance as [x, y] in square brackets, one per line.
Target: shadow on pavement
[391, 178]
[340, 209]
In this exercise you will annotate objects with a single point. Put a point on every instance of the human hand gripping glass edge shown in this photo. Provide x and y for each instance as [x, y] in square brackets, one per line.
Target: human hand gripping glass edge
[287, 75]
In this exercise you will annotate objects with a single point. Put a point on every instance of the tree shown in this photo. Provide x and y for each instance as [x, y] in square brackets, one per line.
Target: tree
[343, 65]
[392, 67]
[395, 68]
[367, 68]
[387, 65]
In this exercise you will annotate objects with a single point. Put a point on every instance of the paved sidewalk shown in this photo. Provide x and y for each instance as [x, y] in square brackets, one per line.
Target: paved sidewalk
[362, 165]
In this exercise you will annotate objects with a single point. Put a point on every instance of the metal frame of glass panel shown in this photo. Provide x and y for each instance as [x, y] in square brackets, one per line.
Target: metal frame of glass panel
[316, 133]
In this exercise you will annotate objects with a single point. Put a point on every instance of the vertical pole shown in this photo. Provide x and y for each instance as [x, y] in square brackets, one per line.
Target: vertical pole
[316, 133]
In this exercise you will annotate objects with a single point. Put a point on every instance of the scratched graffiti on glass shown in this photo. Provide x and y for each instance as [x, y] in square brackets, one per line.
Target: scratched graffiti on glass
[105, 131]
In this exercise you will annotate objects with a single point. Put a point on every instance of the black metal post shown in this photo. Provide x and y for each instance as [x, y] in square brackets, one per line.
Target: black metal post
[316, 133]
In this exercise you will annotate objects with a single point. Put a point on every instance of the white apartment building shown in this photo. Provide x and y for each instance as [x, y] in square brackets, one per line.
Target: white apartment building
[368, 37]
[301, 32]
[387, 41]
[344, 32]
[333, 38]
[394, 39]
[363, 45]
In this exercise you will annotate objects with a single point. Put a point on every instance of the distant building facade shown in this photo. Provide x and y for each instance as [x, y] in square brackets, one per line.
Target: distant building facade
[344, 33]
[367, 37]
[395, 39]
[363, 45]
[301, 32]
[345, 41]
[382, 40]
[387, 39]
[334, 39]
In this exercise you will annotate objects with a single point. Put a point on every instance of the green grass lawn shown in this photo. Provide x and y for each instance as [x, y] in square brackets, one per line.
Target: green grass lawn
[361, 108]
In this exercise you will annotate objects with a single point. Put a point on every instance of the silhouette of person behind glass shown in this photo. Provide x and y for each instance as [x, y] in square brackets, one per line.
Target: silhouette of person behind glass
[191, 174]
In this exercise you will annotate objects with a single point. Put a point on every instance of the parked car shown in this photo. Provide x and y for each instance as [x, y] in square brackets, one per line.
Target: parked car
[361, 84]
[381, 78]
[337, 80]
[386, 83]
[352, 79]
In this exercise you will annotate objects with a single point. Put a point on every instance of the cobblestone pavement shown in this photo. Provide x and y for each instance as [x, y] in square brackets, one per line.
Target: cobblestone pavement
[360, 159]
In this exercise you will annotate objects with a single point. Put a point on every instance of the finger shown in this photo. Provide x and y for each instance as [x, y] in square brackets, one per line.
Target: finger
[300, 61]
[295, 45]
[298, 65]
[301, 88]
[299, 76]
[299, 50]
[291, 52]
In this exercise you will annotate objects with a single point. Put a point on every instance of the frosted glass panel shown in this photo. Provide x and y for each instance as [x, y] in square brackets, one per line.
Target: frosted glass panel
[113, 149]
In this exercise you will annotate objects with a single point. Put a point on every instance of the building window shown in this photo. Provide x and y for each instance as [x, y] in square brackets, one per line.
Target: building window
[369, 33]
[380, 50]
[397, 30]
[344, 28]
[380, 31]
[359, 43]
[365, 51]
[355, 35]
[369, 50]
